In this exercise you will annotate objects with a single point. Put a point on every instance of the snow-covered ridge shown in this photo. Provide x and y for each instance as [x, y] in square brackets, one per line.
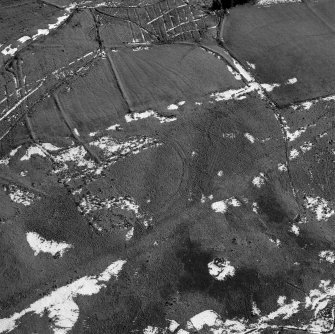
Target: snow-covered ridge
[60, 305]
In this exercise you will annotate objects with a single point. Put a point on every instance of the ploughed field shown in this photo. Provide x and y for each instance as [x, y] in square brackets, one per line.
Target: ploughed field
[167, 167]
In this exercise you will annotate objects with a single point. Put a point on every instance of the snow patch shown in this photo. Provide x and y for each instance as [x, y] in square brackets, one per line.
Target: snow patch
[295, 229]
[60, 20]
[220, 269]
[282, 167]
[172, 107]
[140, 48]
[33, 150]
[112, 149]
[255, 207]
[291, 136]
[41, 245]
[248, 77]
[24, 39]
[204, 198]
[253, 66]
[327, 255]
[208, 317]
[255, 310]
[90, 204]
[50, 147]
[114, 127]
[8, 50]
[277, 241]
[4, 161]
[259, 180]
[130, 234]
[229, 135]
[236, 75]
[294, 153]
[20, 196]
[13, 152]
[291, 81]
[40, 32]
[274, 2]
[77, 155]
[173, 325]
[222, 206]
[151, 330]
[307, 146]
[320, 207]
[146, 114]
[270, 87]
[234, 94]
[318, 299]
[286, 310]
[93, 134]
[250, 137]
[305, 105]
[233, 202]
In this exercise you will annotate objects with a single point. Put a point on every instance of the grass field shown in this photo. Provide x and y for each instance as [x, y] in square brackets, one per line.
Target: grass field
[283, 42]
